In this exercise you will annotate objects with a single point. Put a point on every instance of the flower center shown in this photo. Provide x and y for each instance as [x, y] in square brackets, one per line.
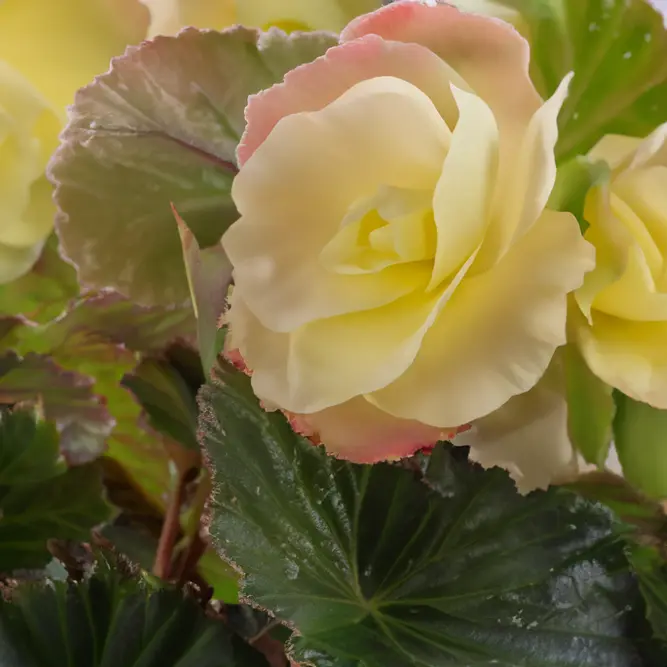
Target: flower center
[394, 226]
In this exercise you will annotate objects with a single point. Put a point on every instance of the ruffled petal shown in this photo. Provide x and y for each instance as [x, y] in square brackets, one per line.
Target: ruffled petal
[630, 356]
[497, 335]
[313, 86]
[489, 54]
[527, 174]
[528, 437]
[358, 431]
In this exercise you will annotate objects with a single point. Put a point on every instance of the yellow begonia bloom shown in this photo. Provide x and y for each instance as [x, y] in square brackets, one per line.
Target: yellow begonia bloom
[169, 16]
[621, 322]
[47, 51]
[396, 272]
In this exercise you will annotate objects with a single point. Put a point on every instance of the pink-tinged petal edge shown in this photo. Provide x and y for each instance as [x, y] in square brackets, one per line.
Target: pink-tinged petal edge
[315, 85]
[487, 52]
[357, 431]
[415, 42]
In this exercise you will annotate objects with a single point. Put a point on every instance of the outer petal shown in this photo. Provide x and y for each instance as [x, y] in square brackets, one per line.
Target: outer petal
[360, 432]
[70, 42]
[528, 436]
[331, 361]
[527, 174]
[295, 191]
[497, 335]
[313, 86]
[631, 356]
[489, 54]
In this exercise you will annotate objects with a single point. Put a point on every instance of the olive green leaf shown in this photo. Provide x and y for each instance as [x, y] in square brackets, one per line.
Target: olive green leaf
[161, 127]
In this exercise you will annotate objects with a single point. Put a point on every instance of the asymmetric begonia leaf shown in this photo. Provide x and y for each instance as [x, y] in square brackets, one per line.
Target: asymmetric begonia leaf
[374, 566]
[109, 621]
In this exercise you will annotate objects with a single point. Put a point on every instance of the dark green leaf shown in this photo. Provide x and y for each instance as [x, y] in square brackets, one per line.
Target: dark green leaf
[29, 451]
[651, 568]
[162, 126]
[618, 52]
[39, 498]
[372, 564]
[628, 504]
[108, 622]
[167, 399]
[640, 435]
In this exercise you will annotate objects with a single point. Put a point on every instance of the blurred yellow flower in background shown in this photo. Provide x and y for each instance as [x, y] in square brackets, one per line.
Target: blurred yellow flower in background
[621, 319]
[169, 16]
[47, 51]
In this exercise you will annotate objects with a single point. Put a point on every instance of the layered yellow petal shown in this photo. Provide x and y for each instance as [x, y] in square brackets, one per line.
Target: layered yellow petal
[515, 311]
[628, 355]
[381, 132]
[463, 196]
[622, 323]
[527, 173]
